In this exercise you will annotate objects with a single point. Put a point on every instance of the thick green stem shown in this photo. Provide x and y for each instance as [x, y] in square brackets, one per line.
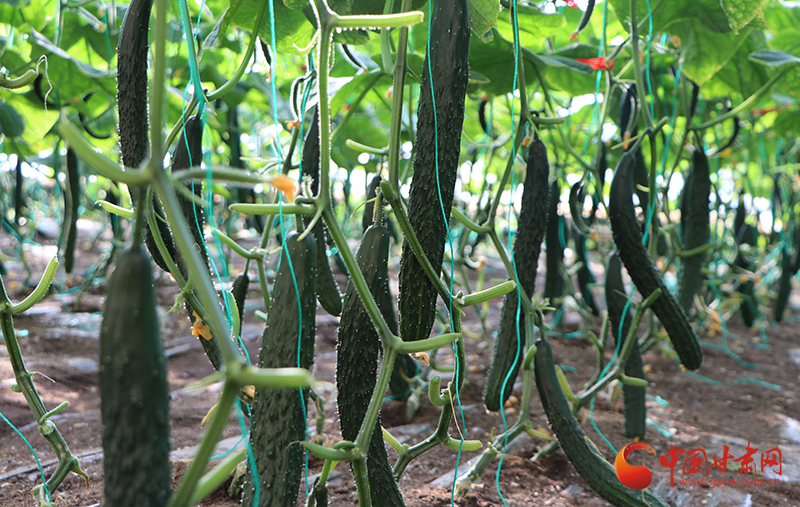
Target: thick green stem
[67, 462]
[217, 424]
[405, 225]
[362, 484]
[398, 88]
[637, 66]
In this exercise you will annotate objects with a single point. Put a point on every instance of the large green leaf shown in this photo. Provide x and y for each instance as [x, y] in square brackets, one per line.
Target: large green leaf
[534, 27]
[741, 12]
[293, 31]
[483, 17]
[11, 122]
[706, 52]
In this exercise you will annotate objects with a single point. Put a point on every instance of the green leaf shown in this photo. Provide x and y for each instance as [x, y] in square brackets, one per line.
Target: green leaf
[11, 122]
[741, 12]
[706, 52]
[483, 17]
[292, 29]
[534, 27]
[773, 57]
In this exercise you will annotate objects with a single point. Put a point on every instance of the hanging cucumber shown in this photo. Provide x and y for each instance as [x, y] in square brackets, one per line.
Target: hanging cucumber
[72, 201]
[278, 415]
[327, 290]
[581, 451]
[431, 194]
[584, 274]
[636, 259]
[188, 153]
[19, 196]
[696, 231]
[554, 281]
[531, 228]
[239, 292]
[747, 235]
[357, 362]
[369, 208]
[616, 301]
[132, 83]
[134, 394]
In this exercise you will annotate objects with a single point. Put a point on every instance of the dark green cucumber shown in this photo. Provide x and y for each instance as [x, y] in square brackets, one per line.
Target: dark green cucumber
[584, 274]
[582, 453]
[621, 319]
[239, 292]
[19, 196]
[357, 363]
[369, 208]
[431, 194]
[746, 234]
[554, 280]
[72, 201]
[532, 224]
[789, 267]
[134, 394]
[132, 83]
[188, 153]
[636, 259]
[696, 231]
[327, 289]
[278, 415]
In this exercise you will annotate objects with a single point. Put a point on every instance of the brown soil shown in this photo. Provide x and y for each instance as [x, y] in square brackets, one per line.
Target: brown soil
[58, 338]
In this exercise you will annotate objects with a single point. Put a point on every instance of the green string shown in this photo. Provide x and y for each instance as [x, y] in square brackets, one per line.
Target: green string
[36, 456]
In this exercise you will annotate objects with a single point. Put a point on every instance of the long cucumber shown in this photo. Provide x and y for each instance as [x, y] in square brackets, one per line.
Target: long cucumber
[531, 228]
[134, 394]
[278, 415]
[582, 453]
[357, 363]
[621, 319]
[634, 255]
[434, 179]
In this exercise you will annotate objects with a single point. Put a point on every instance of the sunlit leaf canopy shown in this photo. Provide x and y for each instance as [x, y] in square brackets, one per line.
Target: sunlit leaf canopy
[729, 48]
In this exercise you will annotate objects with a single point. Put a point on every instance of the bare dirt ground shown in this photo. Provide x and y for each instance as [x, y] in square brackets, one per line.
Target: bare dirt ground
[59, 339]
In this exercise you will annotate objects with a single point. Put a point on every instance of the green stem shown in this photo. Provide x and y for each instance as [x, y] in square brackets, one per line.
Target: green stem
[67, 462]
[38, 293]
[637, 66]
[362, 484]
[405, 225]
[747, 102]
[374, 407]
[217, 424]
[158, 89]
[237, 76]
[398, 88]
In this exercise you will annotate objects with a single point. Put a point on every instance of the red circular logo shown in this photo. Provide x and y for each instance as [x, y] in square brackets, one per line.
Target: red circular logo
[634, 477]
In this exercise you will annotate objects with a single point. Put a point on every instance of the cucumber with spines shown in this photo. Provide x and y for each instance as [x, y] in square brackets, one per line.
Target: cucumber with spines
[431, 193]
[71, 205]
[621, 320]
[582, 453]
[134, 394]
[696, 222]
[634, 255]
[278, 415]
[554, 280]
[531, 230]
[357, 362]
